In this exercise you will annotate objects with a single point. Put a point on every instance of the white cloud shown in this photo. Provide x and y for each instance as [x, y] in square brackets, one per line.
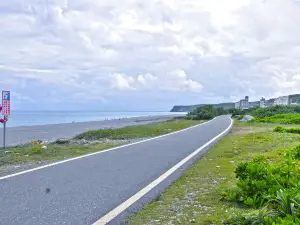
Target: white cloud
[18, 97]
[172, 81]
[122, 82]
[230, 48]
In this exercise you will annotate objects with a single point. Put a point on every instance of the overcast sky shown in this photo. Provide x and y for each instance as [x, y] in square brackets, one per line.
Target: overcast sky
[147, 55]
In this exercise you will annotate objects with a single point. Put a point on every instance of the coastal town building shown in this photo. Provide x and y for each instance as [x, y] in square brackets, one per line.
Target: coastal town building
[295, 99]
[243, 103]
[262, 103]
[270, 102]
[254, 104]
[283, 100]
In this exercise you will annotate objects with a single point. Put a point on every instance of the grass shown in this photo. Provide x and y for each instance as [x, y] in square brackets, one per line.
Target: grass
[287, 130]
[150, 130]
[280, 118]
[195, 197]
[54, 152]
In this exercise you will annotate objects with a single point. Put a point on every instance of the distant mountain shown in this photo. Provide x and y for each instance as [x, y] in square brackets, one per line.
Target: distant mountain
[189, 108]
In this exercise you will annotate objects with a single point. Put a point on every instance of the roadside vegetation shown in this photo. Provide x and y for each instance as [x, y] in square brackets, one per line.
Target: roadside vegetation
[273, 110]
[287, 130]
[276, 114]
[250, 177]
[207, 112]
[89, 142]
[279, 118]
[142, 131]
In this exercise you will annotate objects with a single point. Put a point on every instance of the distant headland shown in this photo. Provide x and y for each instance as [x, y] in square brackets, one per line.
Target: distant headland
[245, 103]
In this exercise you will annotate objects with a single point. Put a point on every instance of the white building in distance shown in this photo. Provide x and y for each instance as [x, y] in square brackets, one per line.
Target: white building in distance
[283, 100]
[262, 103]
[243, 103]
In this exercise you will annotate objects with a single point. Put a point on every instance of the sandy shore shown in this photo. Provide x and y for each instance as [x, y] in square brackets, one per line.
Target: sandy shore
[23, 135]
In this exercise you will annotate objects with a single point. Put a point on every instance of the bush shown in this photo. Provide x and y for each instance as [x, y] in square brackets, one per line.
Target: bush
[280, 118]
[207, 112]
[293, 130]
[232, 196]
[240, 117]
[295, 152]
[36, 149]
[279, 129]
[273, 188]
[287, 130]
[274, 110]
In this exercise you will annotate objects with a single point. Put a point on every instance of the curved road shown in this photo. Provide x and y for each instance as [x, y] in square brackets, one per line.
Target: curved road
[83, 190]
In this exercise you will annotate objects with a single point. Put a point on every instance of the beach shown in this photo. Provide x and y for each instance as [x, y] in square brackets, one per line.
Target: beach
[24, 134]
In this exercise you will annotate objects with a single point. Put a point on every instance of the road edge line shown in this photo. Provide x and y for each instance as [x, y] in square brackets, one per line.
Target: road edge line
[126, 204]
[98, 152]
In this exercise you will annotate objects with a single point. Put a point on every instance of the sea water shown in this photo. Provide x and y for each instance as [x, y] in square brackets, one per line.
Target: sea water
[30, 118]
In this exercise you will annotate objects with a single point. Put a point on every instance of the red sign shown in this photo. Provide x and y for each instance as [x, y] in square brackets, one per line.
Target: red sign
[6, 103]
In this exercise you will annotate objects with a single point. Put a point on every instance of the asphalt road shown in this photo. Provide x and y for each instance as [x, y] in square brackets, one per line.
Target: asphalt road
[52, 132]
[84, 190]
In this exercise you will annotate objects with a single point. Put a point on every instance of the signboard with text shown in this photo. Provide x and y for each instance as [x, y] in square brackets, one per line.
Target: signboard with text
[6, 103]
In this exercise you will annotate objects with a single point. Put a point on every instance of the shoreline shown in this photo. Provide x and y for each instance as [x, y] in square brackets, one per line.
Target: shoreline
[37, 118]
[51, 132]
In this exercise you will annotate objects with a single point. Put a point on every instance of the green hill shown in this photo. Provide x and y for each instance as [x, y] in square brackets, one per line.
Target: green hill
[189, 108]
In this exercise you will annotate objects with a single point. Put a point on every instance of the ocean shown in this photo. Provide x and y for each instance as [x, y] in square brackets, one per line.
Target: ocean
[31, 118]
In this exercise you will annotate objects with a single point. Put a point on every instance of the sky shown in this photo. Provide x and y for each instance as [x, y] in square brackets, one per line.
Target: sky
[147, 55]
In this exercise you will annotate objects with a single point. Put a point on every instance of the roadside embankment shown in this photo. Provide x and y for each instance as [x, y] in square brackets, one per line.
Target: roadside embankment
[52, 132]
[15, 159]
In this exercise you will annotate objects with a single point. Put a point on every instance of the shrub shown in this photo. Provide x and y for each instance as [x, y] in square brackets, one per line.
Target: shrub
[295, 152]
[207, 112]
[36, 149]
[279, 129]
[240, 117]
[286, 202]
[289, 220]
[234, 195]
[274, 110]
[263, 216]
[287, 130]
[293, 130]
[280, 118]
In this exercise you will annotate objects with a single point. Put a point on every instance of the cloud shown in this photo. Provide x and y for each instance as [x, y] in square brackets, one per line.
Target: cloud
[190, 51]
[173, 81]
[122, 82]
[19, 98]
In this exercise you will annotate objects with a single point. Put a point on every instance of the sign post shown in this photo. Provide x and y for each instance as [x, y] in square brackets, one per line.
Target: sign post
[5, 112]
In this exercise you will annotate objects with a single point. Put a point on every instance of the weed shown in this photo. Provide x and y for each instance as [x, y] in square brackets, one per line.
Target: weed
[287, 130]
[279, 118]
[141, 131]
[36, 149]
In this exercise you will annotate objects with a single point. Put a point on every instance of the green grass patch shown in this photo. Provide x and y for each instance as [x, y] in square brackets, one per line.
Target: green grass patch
[150, 130]
[273, 110]
[279, 118]
[54, 152]
[196, 198]
[287, 130]
[36, 153]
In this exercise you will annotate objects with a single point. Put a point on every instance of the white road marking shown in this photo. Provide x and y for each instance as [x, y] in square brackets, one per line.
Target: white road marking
[122, 207]
[96, 153]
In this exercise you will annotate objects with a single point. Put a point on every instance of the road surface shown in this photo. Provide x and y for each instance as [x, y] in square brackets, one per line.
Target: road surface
[52, 132]
[84, 190]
